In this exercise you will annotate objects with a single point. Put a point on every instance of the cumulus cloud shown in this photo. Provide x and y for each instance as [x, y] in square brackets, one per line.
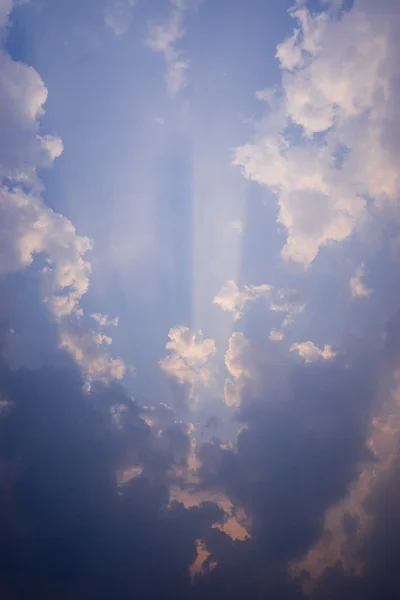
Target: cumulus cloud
[234, 300]
[357, 286]
[339, 84]
[28, 227]
[117, 15]
[189, 361]
[163, 38]
[310, 352]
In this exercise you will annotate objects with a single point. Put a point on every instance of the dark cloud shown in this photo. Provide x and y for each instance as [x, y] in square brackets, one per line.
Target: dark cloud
[70, 528]
[296, 455]
[67, 527]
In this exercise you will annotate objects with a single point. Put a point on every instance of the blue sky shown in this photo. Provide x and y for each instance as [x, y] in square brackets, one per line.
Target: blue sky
[199, 237]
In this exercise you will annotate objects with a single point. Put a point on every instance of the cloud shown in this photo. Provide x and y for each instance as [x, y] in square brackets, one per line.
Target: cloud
[358, 548]
[339, 84]
[117, 15]
[236, 366]
[287, 467]
[287, 301]
[163, 38]
[189, 361]
[85, 347]
[253, 366]
[357, 286]
[83, 527]
[310, 352]
[234, 300]
[28, 227]
[276, 335]
[104, 321]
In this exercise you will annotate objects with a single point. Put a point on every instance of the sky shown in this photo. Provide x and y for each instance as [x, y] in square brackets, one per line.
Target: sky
[199, 299]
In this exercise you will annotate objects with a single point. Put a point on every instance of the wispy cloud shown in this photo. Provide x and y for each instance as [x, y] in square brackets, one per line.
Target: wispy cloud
[104, 320]
[357, 285]
[163, 38]
[118, 14]
[234, 300]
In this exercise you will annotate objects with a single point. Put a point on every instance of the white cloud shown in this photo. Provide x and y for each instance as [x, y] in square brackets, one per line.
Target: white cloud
[339, 73]
[117, 15]
[86, 349]
[163, 38]
[52, 145]
[357, 286]
[234, 300]
[189, 361]
[27, 226]
[104, 321]
[310, 352]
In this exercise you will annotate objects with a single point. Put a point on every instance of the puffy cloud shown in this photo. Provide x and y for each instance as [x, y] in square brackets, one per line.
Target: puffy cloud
[117, 15]
[357, 286]
[234, 300]
[189, 361]
[85, 347]
[104, 321]
[339, 84]
[163, 38]
[310, 352]
[28, 227]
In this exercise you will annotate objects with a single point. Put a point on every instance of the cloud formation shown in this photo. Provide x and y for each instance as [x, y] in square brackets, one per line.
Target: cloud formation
[339, 81]
[163, 38]
[189, 361]
[28, 227]
[234, 300]
[85, 347]
[104, 320]
[104, 498]
[310, 352]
